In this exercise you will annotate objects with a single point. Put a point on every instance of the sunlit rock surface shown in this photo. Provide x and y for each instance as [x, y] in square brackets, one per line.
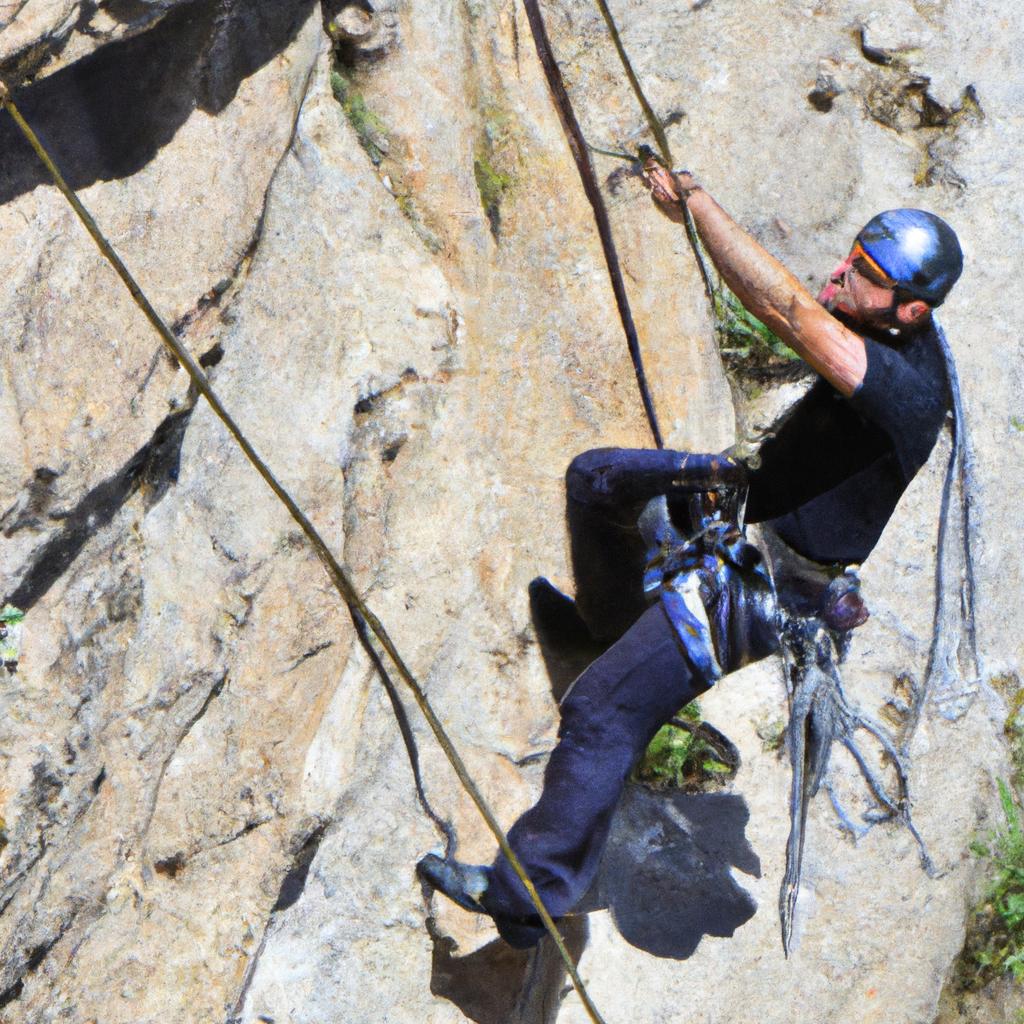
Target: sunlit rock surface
[391, 271]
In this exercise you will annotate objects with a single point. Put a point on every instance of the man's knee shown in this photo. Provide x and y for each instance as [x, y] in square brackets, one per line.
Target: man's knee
[583, 477]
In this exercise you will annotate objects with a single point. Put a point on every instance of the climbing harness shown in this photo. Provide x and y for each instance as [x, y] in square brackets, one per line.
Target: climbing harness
[361, 614]
[714, 585]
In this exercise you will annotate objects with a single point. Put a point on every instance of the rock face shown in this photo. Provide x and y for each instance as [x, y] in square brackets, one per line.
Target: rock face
[386, 262]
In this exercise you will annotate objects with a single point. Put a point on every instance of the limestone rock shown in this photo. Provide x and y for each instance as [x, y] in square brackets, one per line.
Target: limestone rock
[387, 262]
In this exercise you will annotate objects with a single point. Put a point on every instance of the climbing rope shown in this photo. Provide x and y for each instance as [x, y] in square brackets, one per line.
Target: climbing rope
[337, 574]
[658, 131]
[579, 148]
[960, 469]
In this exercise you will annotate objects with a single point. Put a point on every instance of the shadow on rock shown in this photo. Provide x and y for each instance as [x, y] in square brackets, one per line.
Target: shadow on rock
[666, 878]
[565, 642]
[666, 873]
[107, 115]
[501, 985]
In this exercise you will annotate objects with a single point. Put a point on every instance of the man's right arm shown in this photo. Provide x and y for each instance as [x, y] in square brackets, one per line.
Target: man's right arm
[766, 288]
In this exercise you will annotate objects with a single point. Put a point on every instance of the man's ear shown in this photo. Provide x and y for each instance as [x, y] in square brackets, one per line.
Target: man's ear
[912, 312]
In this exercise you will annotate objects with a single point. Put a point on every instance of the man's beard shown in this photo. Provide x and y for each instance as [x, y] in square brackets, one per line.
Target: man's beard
[882, 321]
[885, 321]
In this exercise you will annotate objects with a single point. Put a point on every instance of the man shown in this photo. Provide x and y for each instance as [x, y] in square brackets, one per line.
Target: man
[662, 570]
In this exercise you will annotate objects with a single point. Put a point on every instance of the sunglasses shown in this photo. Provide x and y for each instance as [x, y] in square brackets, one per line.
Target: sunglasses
[868, 268]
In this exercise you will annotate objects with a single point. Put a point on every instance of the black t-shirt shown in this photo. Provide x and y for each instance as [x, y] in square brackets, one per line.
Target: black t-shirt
[829, 480]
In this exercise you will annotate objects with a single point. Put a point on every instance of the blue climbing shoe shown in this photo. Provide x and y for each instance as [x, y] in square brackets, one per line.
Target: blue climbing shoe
[464, 884]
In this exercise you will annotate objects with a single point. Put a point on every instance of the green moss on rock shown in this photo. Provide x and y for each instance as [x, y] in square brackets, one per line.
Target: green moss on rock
[369, 128]
[492, 186]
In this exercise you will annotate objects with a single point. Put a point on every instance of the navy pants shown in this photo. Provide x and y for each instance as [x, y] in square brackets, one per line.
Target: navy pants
[612, 711]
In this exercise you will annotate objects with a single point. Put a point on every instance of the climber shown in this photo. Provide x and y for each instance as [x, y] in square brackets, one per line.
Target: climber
[663, 572]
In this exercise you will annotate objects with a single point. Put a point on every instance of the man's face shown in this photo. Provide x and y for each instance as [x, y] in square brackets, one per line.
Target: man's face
[861, 290]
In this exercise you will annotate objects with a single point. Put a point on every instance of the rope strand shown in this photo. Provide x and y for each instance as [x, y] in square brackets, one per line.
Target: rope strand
[579, 148]
[658, 131]
[334, 569]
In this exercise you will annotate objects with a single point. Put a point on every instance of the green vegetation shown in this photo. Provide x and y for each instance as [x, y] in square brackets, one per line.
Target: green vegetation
[995, 943]
[495, 162]
[1014, 732]
[369, 128]
[772, 734]
[372, 134]
[744, 336]
[9, 637]
[492, 186]
[677, 759]
[10, 615]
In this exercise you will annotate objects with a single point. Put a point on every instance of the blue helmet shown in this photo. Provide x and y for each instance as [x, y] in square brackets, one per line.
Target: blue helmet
[916, 250]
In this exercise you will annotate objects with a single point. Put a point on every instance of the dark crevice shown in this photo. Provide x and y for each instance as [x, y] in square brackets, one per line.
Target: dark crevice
[211, 357]
[294, 881]
[11, 993]
[208, 299]
[369, 403]
[874, 54]
[32, 962]
[822, 97]
[311, 653]
[215, 692]
[405, 728]
[171, 866]
[13, 883]
[38, 955]
[98, 130]
[390, 452]
[821, 101]
[155, 466]
[292, 886]
[246, 829]
[214, 297]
